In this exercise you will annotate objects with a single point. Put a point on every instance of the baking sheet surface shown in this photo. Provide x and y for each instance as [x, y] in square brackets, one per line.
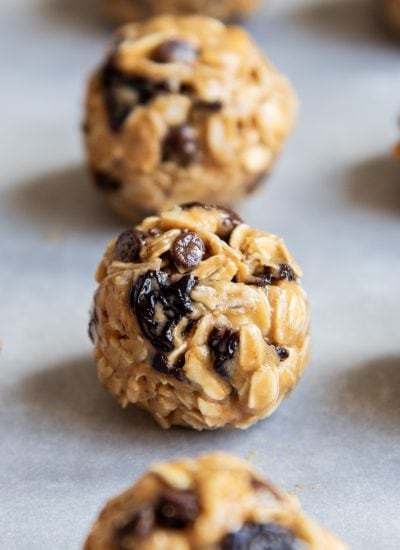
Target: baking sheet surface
[335, 197]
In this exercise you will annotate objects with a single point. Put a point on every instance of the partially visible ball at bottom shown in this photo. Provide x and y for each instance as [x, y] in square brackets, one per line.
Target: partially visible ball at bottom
[215, 502]
[125, 11]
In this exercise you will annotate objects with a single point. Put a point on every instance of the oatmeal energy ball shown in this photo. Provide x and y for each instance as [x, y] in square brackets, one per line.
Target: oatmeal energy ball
[390, 13]
[183, 109]
[125, 11]
[199, 319]
[215, 502]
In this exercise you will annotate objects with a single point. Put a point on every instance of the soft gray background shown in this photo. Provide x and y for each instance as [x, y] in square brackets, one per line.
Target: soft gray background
[65, 446]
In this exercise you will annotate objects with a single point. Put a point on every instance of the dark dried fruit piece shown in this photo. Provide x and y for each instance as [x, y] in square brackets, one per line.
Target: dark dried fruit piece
[93, 322]
[286, 272]
[178, 302]
[176, 509]
[123, 92]
[139, 525]
[105, 182]
[264, 277]
[144, 298]
[153, 293]
[188, 250]
[223, 343]
[260, 536]
[180, 145]
[160, 364]
[175, 51]
[283, 353]
[128, 245]
[269, 276]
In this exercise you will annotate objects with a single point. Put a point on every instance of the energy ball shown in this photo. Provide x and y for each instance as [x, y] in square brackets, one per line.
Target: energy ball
[183, 109]
[124, 11]
[215, 502]
[389, 11]
[200, 319]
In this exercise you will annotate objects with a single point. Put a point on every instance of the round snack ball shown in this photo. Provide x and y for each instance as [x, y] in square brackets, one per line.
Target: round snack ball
[124, 11]
[389, 11]
[215, 502]
[183, 109]
[204, 323]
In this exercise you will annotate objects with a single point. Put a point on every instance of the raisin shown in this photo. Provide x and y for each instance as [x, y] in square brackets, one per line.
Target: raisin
[160, 364]
[223, 343]
[144, 299]
[93, 322]
[139, 525]
[105, 182]
[283, 353]
[264, 277]
[286, 272]
[152, 292]
[260, 536]
[128, 245]
[123, 92]
[188, 250]
[176, 509]
[269, 276]
[175, 51]
[180, 145]
[178, 298]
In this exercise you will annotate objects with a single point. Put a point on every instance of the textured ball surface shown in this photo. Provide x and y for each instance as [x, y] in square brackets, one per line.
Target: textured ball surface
[183, 109]
[215, 502]
[204, 323]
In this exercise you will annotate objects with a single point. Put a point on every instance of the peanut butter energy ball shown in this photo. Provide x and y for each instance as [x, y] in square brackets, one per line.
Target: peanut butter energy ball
[215, 502]
[183, 109]
[200, 319]
[124, 11]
